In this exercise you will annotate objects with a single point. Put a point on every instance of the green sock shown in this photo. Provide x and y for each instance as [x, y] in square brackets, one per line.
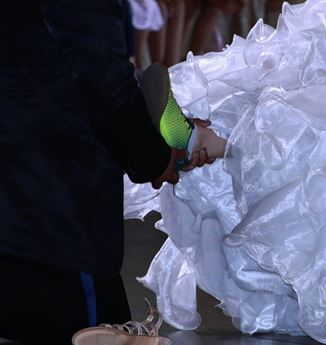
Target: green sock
[174, 127]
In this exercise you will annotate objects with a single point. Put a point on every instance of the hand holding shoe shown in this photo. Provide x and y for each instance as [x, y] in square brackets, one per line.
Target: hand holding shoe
[170, 175]
[198, 159]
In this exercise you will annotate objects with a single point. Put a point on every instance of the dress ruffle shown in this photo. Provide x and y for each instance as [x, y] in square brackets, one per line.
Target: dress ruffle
[250, 229]
[139, 199]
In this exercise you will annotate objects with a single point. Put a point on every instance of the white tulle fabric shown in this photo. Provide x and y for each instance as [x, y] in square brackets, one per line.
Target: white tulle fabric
[139, 199]
[146, 15]
[251, 228]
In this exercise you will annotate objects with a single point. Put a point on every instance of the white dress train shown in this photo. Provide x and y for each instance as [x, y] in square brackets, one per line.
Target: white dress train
[250, 229]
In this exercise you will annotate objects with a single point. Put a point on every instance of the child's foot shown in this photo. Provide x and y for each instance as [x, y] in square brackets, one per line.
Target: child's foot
[164, 110]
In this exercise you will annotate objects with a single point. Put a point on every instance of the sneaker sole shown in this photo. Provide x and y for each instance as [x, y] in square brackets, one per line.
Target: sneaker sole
[155, 86]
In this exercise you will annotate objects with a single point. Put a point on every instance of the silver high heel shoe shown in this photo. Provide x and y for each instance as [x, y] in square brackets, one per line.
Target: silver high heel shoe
[129, 333]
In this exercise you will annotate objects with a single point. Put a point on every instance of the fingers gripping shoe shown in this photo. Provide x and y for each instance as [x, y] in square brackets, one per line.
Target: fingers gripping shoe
[130, 333]
[165, 113]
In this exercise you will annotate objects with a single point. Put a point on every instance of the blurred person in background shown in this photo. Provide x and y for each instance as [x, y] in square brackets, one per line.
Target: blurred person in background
[206, 34]
[166, 44]
[148, 17]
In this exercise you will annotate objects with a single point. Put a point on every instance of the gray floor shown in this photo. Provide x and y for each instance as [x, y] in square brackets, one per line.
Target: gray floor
[142, 243]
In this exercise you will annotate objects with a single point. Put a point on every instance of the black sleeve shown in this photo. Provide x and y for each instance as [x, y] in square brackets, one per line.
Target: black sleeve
[91, 37]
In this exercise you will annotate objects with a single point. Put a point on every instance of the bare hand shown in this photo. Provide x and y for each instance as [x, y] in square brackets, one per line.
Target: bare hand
[200, 155]
[198, 159]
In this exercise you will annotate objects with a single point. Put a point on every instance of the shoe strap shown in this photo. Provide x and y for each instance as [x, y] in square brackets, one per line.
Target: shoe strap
[146, 327]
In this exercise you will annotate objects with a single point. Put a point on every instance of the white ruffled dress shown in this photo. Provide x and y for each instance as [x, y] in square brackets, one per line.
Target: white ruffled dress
[250, 229]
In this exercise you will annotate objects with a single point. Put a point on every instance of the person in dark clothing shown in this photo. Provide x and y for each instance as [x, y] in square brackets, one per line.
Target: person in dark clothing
[72, 120]
[129, 30]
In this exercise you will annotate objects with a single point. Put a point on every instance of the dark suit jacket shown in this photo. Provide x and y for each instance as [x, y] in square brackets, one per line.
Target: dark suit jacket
[71, 120]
